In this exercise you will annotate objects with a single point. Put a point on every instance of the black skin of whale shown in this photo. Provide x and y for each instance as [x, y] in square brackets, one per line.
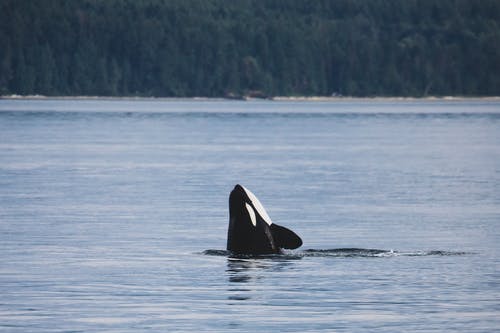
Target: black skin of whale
[245, 238]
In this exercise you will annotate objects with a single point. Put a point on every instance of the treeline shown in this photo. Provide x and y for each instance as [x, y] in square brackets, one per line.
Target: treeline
[260, 47]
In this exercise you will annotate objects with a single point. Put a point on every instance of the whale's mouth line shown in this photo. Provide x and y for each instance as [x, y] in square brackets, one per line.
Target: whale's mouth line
[339, 253]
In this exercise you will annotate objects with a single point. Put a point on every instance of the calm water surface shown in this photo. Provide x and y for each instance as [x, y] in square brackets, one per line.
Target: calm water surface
[108, 208]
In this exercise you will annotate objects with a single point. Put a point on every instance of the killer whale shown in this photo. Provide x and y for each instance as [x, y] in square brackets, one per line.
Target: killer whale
[251, 230]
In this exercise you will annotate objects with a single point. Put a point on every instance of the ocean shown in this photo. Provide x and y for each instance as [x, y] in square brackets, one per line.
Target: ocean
[114, 215]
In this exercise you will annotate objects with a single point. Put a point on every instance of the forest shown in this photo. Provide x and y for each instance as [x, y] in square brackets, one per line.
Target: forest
[262, 48]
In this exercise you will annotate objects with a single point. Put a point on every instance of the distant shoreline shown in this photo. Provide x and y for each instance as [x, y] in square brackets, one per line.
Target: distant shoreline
[245, 98]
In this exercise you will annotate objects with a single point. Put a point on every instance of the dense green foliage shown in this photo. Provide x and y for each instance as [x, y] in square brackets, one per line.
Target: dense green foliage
[274, 47]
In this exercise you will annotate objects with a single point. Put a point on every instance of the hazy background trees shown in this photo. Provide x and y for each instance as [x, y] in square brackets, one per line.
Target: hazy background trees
[273, 47]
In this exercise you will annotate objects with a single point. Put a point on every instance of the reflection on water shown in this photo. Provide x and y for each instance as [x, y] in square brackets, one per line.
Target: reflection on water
[245, 273]
[240, 271]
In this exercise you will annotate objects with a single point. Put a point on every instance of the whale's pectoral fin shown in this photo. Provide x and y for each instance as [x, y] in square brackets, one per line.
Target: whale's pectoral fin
[285, 238]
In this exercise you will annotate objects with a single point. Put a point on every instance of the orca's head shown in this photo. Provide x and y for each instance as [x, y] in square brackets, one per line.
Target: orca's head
[251, 230]
[243, 203]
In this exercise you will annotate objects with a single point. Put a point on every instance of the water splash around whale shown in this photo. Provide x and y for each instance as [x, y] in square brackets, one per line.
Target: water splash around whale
[339, 253]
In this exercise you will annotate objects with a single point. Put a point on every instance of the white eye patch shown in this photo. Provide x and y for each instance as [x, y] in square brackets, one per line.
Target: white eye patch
[258, 206]
[252, 214]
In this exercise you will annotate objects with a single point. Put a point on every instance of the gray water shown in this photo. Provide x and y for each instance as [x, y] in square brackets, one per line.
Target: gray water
[113, 216]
